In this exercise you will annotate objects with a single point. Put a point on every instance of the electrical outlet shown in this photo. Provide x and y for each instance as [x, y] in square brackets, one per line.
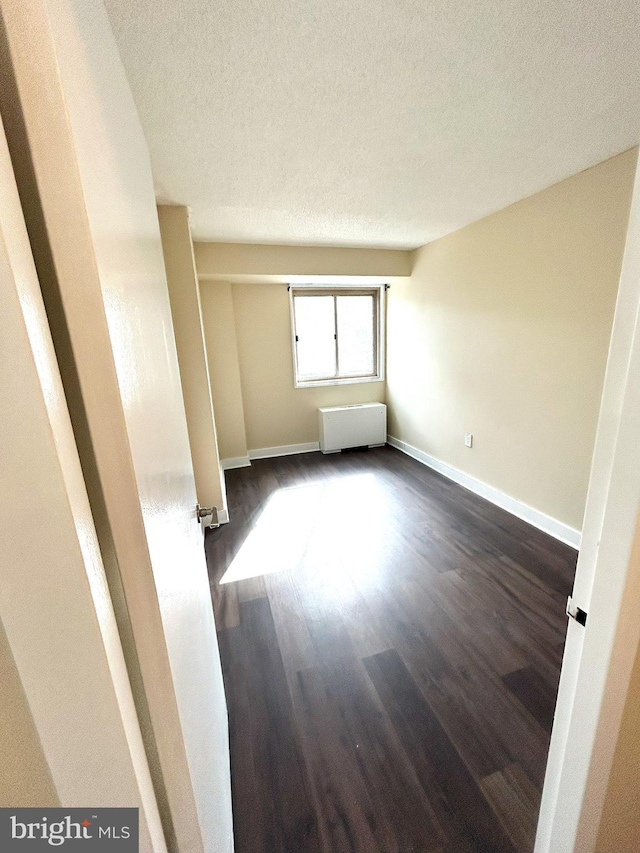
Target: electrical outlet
[468, 439]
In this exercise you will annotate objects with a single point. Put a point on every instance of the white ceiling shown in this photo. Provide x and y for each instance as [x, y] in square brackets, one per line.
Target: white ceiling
[374, 122]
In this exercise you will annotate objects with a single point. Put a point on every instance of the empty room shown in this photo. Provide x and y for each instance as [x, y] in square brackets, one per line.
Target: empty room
[320, 396]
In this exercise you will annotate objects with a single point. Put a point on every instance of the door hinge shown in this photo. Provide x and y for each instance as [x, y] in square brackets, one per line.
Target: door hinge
[204, 511]
[576, 612]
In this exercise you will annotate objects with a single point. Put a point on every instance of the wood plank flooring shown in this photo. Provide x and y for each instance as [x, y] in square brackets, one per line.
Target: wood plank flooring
[391, 648]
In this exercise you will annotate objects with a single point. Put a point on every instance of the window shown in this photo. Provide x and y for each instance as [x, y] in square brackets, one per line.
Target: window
[337, 335]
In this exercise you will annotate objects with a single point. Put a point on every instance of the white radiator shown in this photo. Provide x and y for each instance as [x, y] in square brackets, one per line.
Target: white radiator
[352, 426]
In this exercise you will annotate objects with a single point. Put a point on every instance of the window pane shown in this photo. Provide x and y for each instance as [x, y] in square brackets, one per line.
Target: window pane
[355, 335]
[315, 330]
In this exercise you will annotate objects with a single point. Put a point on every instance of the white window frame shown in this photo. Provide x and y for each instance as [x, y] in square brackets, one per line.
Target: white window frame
[378, 292]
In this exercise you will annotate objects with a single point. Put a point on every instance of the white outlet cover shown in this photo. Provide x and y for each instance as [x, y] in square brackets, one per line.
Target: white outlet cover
[468, 439]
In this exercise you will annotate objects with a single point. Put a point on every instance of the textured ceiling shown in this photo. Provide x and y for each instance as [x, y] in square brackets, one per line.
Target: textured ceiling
[374, 122]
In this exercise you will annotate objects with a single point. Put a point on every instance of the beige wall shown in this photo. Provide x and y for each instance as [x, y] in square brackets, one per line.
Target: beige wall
[275, 413]
[25, 779]
[241, 262]
[503, 331]
[224, 369]
[245, 306]
[619, 830]
[184, 294]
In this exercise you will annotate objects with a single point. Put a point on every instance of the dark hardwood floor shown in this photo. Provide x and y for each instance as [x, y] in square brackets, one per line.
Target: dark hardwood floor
[391, 665]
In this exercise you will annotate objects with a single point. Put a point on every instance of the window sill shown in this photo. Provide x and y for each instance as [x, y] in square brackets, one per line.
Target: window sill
[355, 380]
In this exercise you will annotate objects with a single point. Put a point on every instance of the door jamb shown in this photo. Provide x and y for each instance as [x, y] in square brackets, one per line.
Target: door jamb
[598, 662]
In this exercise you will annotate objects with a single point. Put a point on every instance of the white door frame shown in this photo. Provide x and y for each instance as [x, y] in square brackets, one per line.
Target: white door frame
[599, 657]
[55, 608]
[86, 186]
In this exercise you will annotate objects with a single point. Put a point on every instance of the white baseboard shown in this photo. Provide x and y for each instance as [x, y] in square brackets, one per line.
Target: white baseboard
[546, 523]
[235, 462]
[284, 450]
[267, 453]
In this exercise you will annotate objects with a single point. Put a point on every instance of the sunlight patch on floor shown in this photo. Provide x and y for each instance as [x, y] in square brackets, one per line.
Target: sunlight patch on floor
[322, 527]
